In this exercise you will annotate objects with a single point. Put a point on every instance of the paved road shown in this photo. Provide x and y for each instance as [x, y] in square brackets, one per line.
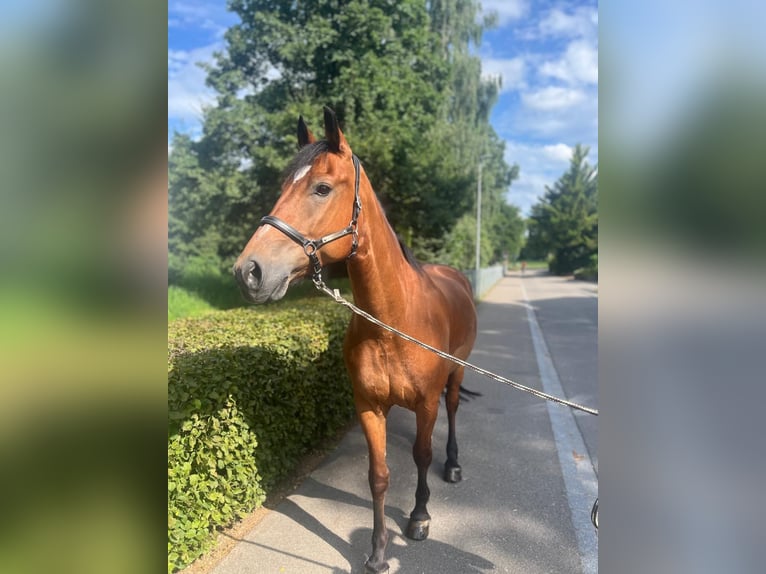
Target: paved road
[528, 466]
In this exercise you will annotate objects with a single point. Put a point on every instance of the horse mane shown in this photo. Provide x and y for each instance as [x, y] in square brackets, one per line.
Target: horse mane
[409, 256]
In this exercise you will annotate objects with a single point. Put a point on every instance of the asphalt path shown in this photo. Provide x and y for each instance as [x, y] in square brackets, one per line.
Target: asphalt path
[529, 466]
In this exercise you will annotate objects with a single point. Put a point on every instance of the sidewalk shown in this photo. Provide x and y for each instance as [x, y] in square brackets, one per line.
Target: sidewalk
[509, 514]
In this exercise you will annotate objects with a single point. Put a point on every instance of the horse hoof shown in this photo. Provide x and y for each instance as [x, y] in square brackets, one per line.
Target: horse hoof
[375, 568]
[418, 529]
[453, 474]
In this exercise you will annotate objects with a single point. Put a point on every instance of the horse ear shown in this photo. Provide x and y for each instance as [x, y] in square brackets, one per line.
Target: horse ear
[305, 136]
[332, 131]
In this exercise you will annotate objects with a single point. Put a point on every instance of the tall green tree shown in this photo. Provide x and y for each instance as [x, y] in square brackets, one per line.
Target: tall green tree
[404, 85]
[564, 223]
[459, 249]
[506, 232]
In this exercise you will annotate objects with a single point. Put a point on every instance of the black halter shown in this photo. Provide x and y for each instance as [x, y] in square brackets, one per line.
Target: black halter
[312, 246]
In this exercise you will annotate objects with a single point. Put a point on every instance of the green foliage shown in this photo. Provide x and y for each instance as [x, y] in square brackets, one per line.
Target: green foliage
[407, 90]
[502, 232]
[182, 303]
[460, 245]
[590, 271]
[203, 199]
[532, 249]
[200, 285]
[249, 392]
[212, 480]
[505, 228]
[564, 224]
[203, 278]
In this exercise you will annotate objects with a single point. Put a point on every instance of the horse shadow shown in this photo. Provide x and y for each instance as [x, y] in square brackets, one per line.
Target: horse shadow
[426, 556]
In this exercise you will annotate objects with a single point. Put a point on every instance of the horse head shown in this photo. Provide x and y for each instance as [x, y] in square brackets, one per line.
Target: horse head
[313, 223]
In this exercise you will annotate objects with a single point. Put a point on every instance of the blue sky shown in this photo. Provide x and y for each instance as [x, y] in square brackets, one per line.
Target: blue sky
[545, 52]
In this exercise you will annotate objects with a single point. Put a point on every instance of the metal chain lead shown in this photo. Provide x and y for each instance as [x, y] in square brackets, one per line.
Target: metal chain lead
[336, 296]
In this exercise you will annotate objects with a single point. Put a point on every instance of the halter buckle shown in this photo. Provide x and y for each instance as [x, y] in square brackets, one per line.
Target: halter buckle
[354, 241]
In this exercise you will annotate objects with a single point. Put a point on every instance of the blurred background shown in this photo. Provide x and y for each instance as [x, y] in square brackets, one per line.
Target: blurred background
[83, 190]
[681, 329]
[84, 250]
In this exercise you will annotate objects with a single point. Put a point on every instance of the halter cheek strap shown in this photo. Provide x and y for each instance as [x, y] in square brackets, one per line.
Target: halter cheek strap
[312, 246]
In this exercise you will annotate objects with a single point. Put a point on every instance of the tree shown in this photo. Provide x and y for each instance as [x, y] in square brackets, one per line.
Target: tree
[406, 90]
[459, 249]
[205, 201]
[506, 232]
[564, 223]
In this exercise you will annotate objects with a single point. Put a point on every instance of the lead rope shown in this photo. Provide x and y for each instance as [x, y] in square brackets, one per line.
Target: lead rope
[336, 296]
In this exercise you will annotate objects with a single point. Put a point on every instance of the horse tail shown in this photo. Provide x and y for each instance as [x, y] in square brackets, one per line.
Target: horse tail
[467, 394]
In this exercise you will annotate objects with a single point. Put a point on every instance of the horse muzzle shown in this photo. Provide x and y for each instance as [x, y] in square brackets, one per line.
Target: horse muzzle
[259, 283]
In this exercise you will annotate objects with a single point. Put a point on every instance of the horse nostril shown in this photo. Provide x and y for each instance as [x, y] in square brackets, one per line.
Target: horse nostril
[248, 274]
[253, 273]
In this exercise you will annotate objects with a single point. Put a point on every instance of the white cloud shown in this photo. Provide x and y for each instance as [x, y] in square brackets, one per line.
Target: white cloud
[512, 71]
[552, 67]
[191, 10]
[177, 59]
[550, 115]
[581, 22]
[578, 64]
[540, 165]
[533, 174]
[187, 92]
[560, 152]
[552, 98]
[526, 191]
[200, 14]
[540, 159]
[536, 171]
[506, 10]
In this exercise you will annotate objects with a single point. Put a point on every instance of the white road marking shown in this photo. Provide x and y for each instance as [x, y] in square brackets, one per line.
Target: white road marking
[576, 466]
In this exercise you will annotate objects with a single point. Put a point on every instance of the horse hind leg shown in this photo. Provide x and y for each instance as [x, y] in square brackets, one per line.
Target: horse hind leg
[452, 471]
[420, 520]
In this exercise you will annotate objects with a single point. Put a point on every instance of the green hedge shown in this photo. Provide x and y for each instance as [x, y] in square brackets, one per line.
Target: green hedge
[590, 271]
[249, 392]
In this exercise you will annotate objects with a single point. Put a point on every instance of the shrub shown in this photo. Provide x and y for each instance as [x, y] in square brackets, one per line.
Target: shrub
[249, 392]
[590, 271]
[566, 260]
[212, 479]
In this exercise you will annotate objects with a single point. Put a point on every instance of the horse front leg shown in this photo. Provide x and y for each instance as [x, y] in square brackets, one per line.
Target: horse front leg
[374, 427]
[452, 470]
[420, 520]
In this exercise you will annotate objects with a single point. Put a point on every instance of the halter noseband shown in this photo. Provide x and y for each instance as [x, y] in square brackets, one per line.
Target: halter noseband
[312, 246]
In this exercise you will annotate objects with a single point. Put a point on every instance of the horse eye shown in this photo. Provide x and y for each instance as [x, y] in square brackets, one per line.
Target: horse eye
[322, 190]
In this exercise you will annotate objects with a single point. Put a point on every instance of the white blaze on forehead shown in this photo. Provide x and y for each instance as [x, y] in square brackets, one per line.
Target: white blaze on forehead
[301, 173]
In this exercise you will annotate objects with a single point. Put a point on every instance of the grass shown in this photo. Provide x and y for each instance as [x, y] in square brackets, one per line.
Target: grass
[200, 294]
[184, 303]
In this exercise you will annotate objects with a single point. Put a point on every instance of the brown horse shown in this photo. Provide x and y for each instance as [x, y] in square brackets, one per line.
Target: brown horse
[324, 189]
